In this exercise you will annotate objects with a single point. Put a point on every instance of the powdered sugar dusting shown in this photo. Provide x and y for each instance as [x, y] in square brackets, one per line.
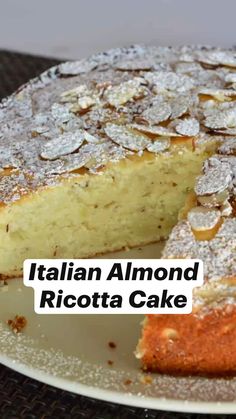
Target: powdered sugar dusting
[53, 362]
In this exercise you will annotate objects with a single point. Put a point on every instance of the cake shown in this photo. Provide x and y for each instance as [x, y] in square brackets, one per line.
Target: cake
[106, 153]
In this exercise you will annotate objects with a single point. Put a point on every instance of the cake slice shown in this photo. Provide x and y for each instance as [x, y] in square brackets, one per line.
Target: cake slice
[203, 342]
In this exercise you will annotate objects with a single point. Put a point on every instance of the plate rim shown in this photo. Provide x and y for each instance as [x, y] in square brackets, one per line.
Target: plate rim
[112, 396]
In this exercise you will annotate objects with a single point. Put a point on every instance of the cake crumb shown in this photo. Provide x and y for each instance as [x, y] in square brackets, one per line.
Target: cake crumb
[127, 382]
[146, 379]
[17, 324]
[112, 345]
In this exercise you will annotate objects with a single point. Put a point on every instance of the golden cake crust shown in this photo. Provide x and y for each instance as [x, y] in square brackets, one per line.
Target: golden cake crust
[190, 344]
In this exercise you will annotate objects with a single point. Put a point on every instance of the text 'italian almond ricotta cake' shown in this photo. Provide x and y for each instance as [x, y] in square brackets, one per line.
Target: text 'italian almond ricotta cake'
[126, 148]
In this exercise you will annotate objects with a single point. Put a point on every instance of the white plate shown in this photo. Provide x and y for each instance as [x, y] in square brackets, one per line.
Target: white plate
[72, 352]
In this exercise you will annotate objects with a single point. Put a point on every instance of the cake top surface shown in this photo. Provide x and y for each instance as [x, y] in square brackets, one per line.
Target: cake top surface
[86, 113]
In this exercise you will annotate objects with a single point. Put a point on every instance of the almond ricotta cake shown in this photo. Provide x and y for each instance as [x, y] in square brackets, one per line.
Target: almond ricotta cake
[104, 153]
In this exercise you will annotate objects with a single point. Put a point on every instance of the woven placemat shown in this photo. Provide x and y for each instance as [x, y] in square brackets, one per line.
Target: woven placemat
[16, 69]
[22, 397]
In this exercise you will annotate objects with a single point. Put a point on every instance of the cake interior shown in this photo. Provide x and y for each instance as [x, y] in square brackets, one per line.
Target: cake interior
[130, 203]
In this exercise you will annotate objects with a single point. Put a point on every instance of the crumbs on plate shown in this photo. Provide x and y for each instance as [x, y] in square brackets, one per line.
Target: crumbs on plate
[112, 345]
[17, 324]
[127, 382]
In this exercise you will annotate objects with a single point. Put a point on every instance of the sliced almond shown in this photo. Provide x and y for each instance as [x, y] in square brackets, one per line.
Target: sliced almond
[157, 113]
[155, 130]
[60, 113]
[188, 127]
[214, 200]
[215, 58]
[73, 68]
[215, 180]
[118, 95]
[126, 138]
[179, 106]
[137, 64]
[65, 144]
[168, 80]
[73, 94]
[228, 146]
[158, 146]
[215, 120]
[81, 98]
[74, 162]
[221, 95]
[201, 218]
[226, 132]
[83, 103]
[230, 78]
[226, 209]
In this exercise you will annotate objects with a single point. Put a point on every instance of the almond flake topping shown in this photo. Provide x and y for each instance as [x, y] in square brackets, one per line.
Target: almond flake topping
[83, 103]
[214, 200]
[189, 127]
[201, 218]
[23, 103]
[132, 65]
[227, 58]
[228, 146]
[72, 95]
[126, 138]
[80, 97]
[60, 113]
[71, 163]
[7, 160]
[158, 146]
[228, 131]
[102, 153]
[230, 78]
[154, 130]
[226, 209]
[218, 119]
[168, 80]
[219, 94]
[215, 180]
[73, 68]
[61, 146]
[179, 106]
[157, 113]
[131, 89]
